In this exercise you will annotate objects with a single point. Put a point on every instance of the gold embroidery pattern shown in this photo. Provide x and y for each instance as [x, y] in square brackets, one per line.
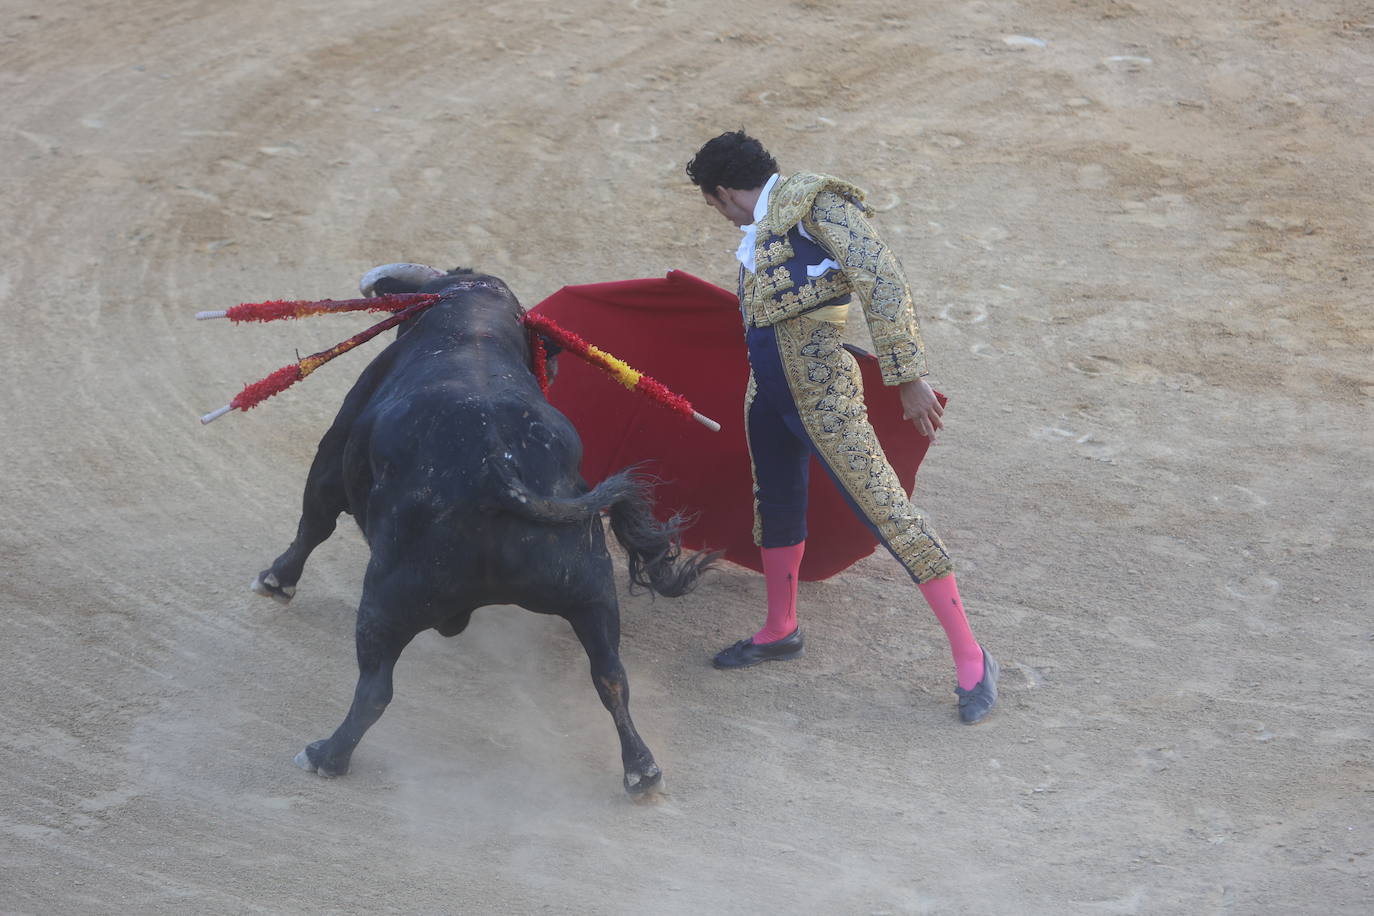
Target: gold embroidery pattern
[766, 298]
[812, 295]
[878, 281]
[746, 288]
[749, 393]
[888, 298]
[792, 199]
[903, 352]
[864, 254]
[769, 286]
[828, 208]
[772, 253]
[828, 391]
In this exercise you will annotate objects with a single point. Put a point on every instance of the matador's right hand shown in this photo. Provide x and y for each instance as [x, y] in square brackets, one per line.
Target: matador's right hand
[921, 407]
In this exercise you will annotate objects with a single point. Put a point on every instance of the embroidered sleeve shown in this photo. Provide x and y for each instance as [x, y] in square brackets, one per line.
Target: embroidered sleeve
[878, 282]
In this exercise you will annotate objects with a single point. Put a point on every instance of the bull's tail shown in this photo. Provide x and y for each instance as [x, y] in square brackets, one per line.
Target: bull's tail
[654, 548]
[509, 494]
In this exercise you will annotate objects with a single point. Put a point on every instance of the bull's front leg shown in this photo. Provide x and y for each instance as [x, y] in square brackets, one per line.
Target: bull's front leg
[378, 650]
[598, 629]
[324, 499]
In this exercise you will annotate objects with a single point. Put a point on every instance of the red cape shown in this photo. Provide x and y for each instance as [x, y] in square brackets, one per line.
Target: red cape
[687, 333]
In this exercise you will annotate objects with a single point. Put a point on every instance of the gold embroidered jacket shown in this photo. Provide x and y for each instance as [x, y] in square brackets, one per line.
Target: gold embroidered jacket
[833, 212]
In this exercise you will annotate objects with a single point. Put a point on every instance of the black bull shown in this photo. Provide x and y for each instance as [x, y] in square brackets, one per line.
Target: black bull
[464, 481]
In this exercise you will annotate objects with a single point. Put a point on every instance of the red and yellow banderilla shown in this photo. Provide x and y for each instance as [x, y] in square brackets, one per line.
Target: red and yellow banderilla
[405, 306]
[617, 369]
[277, 309]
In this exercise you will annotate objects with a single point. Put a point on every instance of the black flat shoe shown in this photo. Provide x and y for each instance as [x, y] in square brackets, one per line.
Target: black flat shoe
[976, 702]
[746, 652]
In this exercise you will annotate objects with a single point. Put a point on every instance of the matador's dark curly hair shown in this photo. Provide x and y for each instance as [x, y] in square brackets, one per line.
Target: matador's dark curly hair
[732, 160]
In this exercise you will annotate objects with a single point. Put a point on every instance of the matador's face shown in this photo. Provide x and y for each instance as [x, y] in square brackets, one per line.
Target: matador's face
[727, 202]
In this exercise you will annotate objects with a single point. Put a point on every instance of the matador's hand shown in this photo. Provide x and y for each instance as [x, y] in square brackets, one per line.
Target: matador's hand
[920, 406]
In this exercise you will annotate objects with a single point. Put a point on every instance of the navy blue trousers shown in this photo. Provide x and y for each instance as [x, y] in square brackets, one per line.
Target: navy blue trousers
[781, 445]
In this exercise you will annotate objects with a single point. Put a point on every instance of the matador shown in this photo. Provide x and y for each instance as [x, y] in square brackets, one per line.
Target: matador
[808, 250]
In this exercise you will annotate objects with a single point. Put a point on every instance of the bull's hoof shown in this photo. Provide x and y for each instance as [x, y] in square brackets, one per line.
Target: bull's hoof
[645, 783]
[266, 584]
[310, 761]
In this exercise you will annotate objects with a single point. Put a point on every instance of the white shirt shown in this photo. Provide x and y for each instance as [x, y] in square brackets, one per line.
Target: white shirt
[745, 253]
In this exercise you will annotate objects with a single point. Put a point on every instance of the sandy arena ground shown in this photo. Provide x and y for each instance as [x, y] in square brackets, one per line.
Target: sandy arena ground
[1139, 237]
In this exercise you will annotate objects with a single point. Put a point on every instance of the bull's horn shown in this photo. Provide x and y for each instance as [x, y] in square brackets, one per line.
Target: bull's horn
[417, 274]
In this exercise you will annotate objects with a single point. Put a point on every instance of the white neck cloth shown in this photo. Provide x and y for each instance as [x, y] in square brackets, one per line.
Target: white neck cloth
[745, 253]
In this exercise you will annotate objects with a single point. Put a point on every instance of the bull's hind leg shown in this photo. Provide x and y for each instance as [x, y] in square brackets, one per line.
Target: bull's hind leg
[379, 646]
[324, 499]
[598, 627]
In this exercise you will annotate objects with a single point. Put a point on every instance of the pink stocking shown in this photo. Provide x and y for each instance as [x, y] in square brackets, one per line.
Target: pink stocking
[780, 565]
[942, 595]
